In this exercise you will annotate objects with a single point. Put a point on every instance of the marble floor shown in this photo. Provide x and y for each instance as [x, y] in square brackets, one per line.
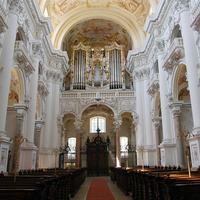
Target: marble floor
[117, 193]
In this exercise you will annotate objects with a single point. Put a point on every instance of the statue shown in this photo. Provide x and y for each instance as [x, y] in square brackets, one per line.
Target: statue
[64, 81]
[71, 77]
[87, 76]
[123, 75]
[107, 76]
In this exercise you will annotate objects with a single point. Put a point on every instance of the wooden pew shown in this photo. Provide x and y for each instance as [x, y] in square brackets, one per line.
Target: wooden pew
[42, 184]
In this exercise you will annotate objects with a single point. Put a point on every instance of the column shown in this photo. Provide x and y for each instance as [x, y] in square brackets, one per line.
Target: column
[147, 110]
[176, 110]
[191, 58]
[157, 123]
[7, 62]
[20, 114]
[167, 147]
[117, 123]
[139, 106]
[163, 92]
[38, 127]
[33, 94]
[78, 123]
[150, 157]
[55, 134]
[48, 106]
[28, 158]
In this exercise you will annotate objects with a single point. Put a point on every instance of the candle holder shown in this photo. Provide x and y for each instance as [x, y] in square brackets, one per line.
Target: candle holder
[185, 135]
[56, 151]
[142, 149]
[18, 140]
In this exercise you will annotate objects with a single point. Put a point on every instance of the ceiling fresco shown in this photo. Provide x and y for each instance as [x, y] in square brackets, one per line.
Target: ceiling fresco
[93, 28]
[97, 32]
[63, 6]
[138, 9]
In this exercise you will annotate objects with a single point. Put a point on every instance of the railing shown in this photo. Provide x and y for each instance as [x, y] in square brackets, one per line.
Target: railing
[174, 53]
[19, 46]
[97, 94]
[178, 42]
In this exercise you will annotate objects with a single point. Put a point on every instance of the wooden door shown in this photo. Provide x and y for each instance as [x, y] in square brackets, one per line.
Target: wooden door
[97, 157]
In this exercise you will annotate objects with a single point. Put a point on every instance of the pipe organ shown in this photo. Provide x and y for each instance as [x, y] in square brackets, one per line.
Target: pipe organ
[79, 70]
[115, 69]
[97, 67]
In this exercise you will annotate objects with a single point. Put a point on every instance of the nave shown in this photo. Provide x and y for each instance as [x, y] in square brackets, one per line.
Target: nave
[116, 192]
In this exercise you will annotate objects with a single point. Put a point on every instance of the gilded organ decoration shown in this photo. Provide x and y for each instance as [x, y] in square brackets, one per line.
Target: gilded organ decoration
[104, 68]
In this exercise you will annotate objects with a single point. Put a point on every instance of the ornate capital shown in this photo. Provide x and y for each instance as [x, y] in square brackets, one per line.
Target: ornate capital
[37, 49]
[157, 122]
[176, 113]
[135, 119]
[117, 122]
[20, 116]
[57, 76]
[42, 90]
[21, 111]
[49, 74]
[182, 5]
[146, 72]
[38, 125]
[159, 46]
[78, 123]
[16, 6]
[138, 74]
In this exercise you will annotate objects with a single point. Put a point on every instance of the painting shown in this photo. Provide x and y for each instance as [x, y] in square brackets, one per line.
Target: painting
[98, 32]
[182, 78]
[13, 98]
[195, 154]
[184, 95]
[14, 82]
[95, 27]
[3, 157]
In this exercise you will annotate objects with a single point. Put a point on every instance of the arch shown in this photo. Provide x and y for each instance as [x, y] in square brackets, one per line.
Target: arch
[176, 87]
[79, 15]
[103, 104]
[20, 84]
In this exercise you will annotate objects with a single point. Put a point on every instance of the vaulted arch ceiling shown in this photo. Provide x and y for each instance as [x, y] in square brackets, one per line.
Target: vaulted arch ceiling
[129, 14]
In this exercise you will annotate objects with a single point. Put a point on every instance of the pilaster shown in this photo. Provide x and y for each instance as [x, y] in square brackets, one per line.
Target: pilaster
[38, 128]
[117, 123]
[78, 123]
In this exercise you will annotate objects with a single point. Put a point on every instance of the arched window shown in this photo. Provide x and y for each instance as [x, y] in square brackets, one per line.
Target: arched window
[123, 143]
[72, 144]
[98, 122]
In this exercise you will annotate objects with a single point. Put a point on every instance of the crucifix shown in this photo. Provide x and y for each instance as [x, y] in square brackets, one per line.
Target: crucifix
[98, 131]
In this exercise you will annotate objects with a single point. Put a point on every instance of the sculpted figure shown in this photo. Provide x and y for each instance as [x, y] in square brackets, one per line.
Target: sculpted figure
[71, 77]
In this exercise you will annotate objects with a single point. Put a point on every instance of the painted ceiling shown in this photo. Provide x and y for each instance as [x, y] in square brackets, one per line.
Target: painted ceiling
[65, 13]
[97, 32]
[137, 8]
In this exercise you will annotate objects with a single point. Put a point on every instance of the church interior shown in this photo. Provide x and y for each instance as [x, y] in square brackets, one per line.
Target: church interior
[98, 84]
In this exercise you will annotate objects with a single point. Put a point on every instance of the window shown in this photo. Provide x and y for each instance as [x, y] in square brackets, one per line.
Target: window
[72, 148]
[123, 147]
[97, 122]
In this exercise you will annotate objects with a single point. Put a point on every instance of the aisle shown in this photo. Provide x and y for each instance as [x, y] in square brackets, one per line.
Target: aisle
[117, 193]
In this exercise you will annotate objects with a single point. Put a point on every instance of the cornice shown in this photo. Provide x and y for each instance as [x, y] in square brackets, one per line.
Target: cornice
[37, 17]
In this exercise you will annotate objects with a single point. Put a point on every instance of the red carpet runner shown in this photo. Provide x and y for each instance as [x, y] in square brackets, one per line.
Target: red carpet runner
[99, 190]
